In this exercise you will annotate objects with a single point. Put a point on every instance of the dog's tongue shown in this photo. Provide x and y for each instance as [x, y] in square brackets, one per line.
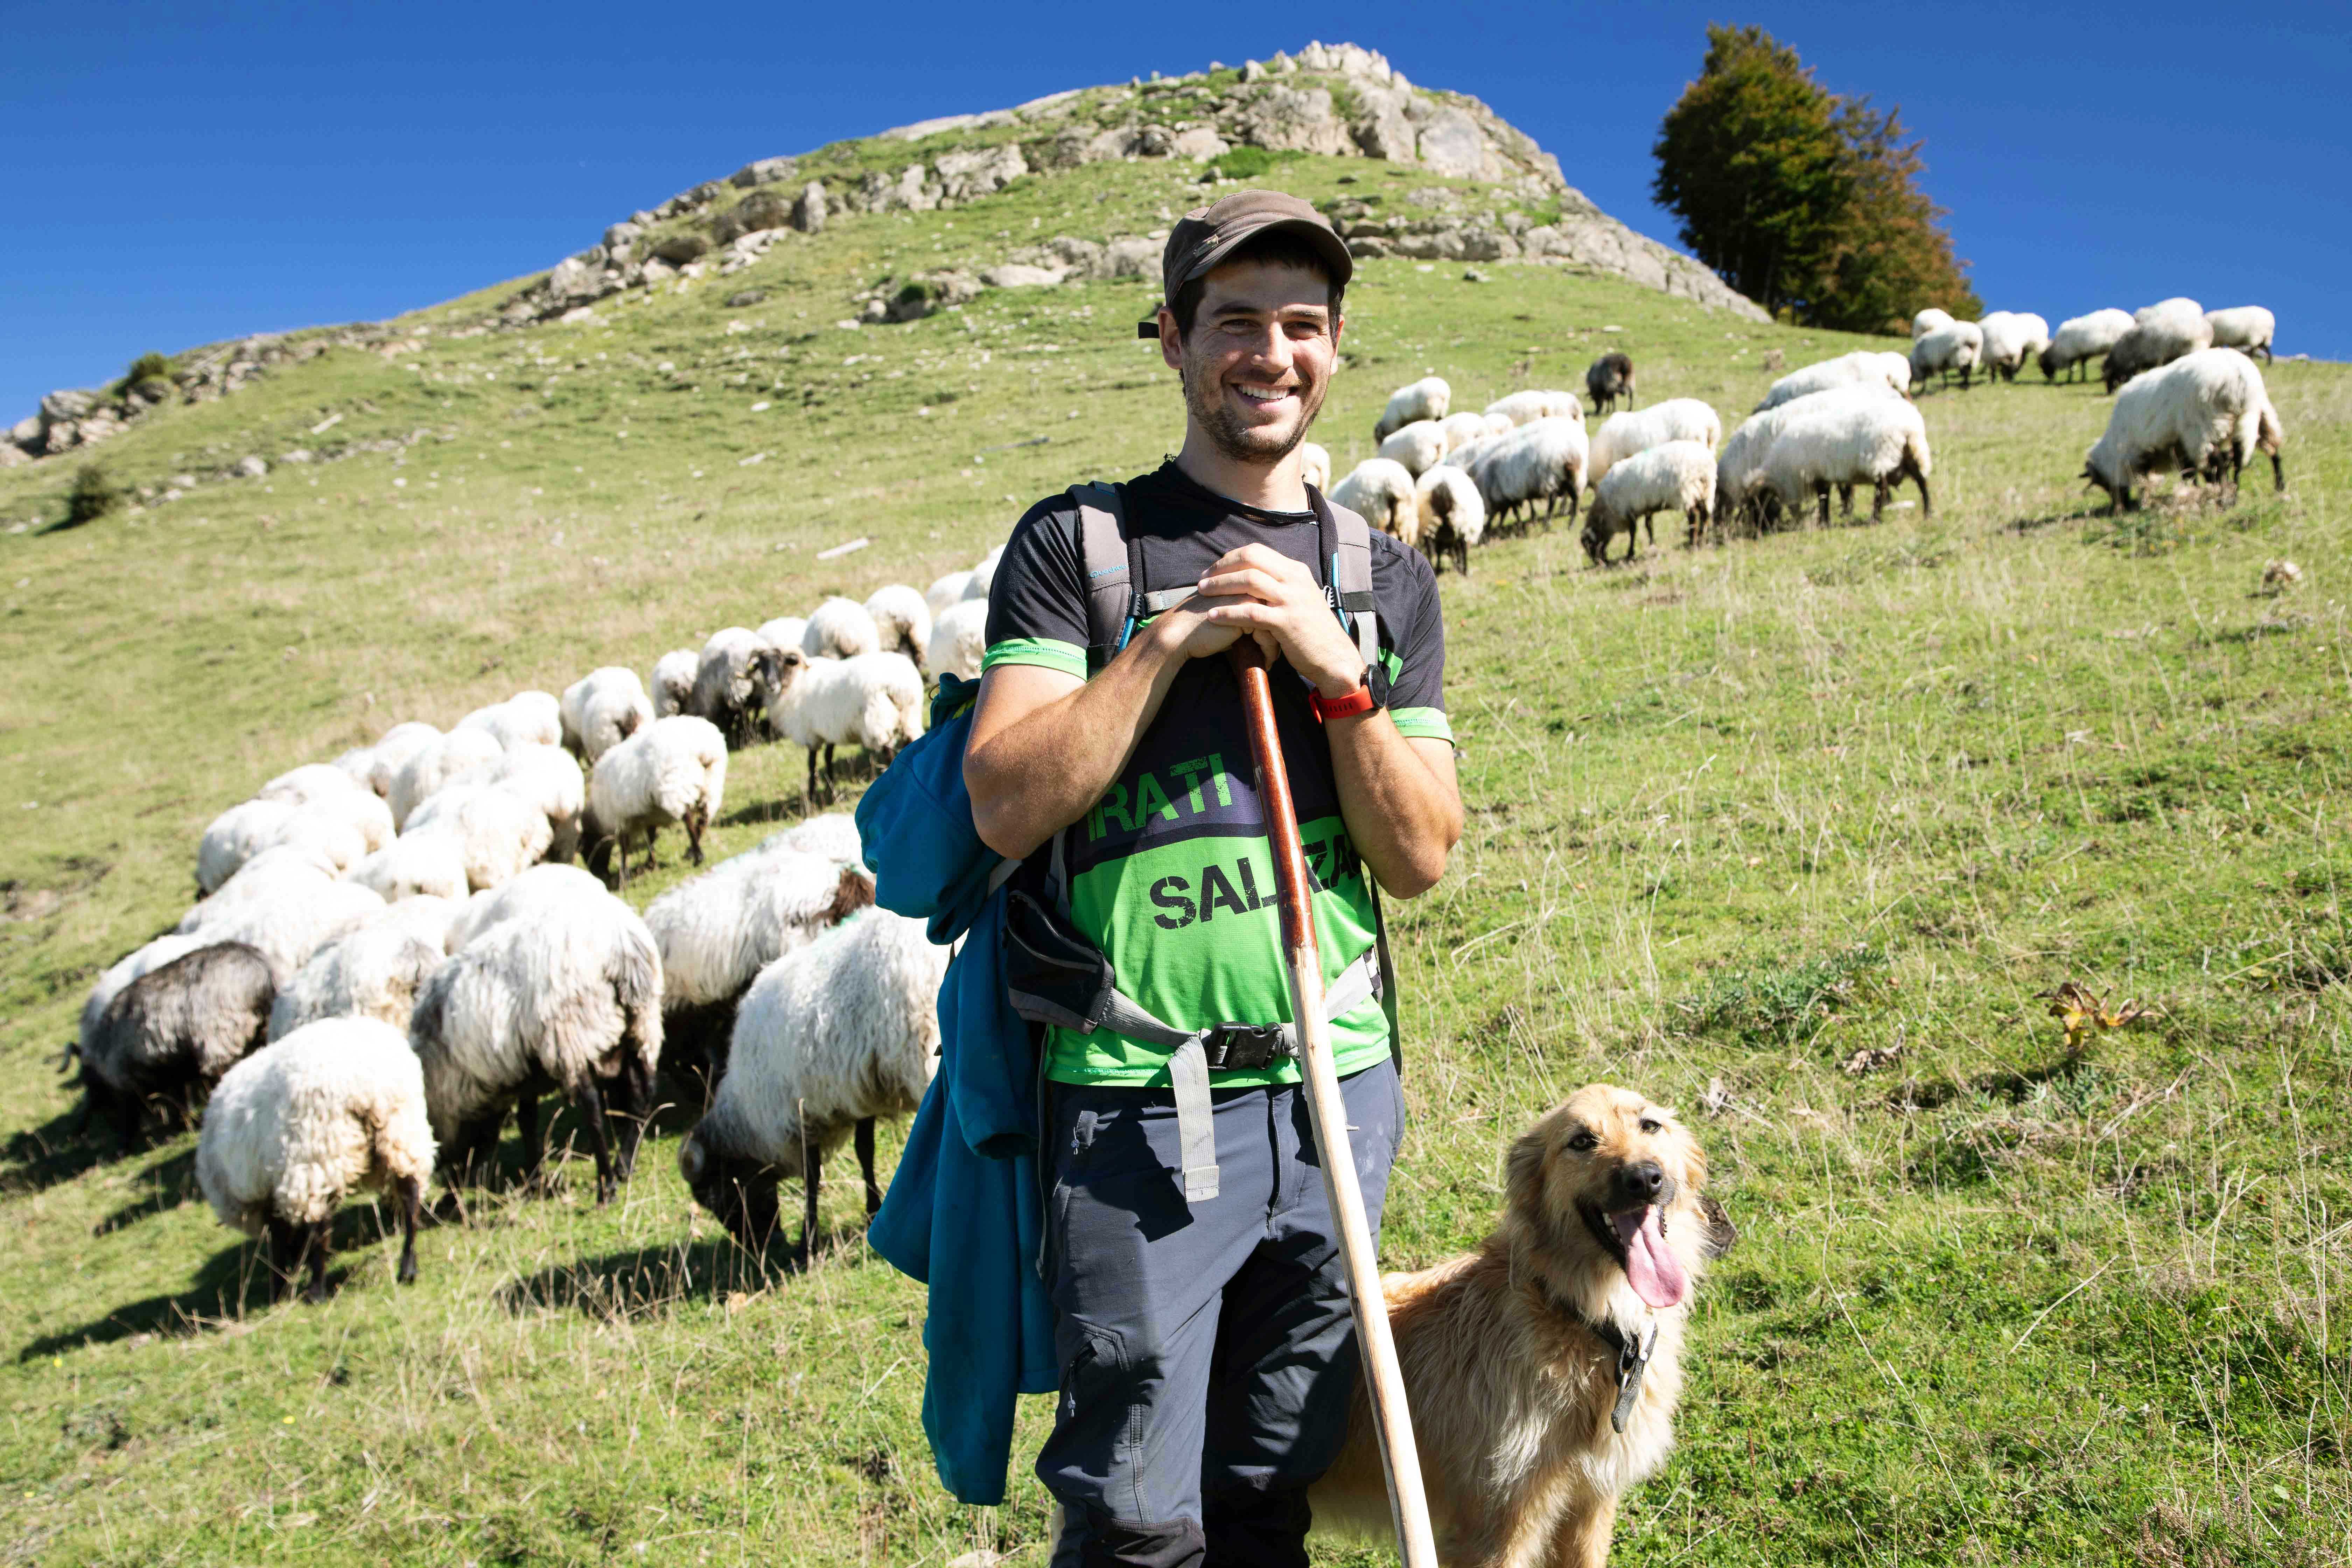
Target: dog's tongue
[1656, 1273]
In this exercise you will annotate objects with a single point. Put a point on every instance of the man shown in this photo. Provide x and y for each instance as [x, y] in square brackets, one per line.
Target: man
[1205, 1344]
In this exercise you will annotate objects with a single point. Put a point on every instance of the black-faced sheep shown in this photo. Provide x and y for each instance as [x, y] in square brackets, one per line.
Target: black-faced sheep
[734, 682]
[1609, 378]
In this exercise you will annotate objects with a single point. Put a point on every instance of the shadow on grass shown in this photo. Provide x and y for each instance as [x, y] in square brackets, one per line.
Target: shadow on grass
[621, 1286]
[166, 1184]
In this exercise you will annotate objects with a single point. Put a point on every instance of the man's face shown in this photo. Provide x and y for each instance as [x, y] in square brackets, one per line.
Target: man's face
[1258, 359]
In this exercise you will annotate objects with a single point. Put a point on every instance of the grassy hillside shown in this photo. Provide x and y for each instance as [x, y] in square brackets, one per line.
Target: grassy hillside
[1790, 833]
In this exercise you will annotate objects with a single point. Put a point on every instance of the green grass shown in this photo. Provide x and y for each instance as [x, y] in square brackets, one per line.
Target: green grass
[1790, 833]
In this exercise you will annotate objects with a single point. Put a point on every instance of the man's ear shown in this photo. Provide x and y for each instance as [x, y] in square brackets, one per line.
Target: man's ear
[1172, 349]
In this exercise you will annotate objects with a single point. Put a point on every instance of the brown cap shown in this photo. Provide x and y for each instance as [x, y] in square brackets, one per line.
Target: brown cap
[1206, 235]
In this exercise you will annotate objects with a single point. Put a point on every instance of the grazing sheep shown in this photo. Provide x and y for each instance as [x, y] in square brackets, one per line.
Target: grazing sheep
[602, 708]
[1864, 367]
[139, 961]
[1508, 413]
[840, 629]
[333, 1108]
[717, 931]
[735, 682]
[1417, 446]
[672, 685]
[832, 834]
[392, 750]
[1428, 398]
[829, 1037]
[568, 1001]
[1931, 319]
[2161, 333]
[417, 865]
[244, 830]
[984, 574]
[784, 631]
[1609, 378]
[1540, 461]
[1676, 419]
[943, 592]
[958, 641]
[322, 786]
[903, 619]
[2082, 339]
[357, 764]
[170, 1034]
[1463, 428]
[1315, 465]
[1739, 489]
[2008, 337]
[1452, 515]
[526, 717]
[1878, 441]
[875, 699]
[1672, 476]
[436, 766]
[539, 889]
[294, 920]
[2197, 413]
[673, 770]
[2248, 328]
[1380, 490]
[499, 833]
[550, 781]
[1957, 347]
[372, 972]
[267, 875]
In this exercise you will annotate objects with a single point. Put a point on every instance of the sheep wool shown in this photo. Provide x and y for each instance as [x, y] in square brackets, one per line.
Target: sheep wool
[2082, 339]
[1740, 470]
[1931, 319]
[1947, 351]
[984, 574]
[1542, 460]
[1609, 378]
[2160, 334]
[1417, 446]
[1428, 398]
[122, 971]
[1864, 367]
[943, 592]
[2009, 338]
[175, 1029]
[840, 629]
[293, 922]
[1462, 428]
[833, 835]
[550, 782]
[244, 830]
[1523, 408]
[325, 787]
[372, 972]
[1676, 419]
[1315, 465]
[526, 717]
[673, 770]
[603, 709]
[335, 1107]
[1671, 476]
[734, 681]
[392, 750]
[1876, 441]
[958, 639]
[2195, 412]
[1381, 489]
[875, 700]
[2249, 328]
[1452, 515]
[267, 875]
[541, 889]
[903, 620]
[671, 686]
[499, 832]
[421, 864]
[436, 764]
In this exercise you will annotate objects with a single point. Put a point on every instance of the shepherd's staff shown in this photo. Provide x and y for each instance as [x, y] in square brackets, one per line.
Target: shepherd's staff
[1383, 1378]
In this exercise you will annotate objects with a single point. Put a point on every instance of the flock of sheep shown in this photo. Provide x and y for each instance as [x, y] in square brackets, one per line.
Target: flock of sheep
[391, 954]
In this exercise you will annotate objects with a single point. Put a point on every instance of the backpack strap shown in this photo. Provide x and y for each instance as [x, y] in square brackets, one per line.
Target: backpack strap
[1350, 580]
[1106, 555]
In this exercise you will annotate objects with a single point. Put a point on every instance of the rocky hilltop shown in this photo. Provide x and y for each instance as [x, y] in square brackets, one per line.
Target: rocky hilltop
[1503, 199]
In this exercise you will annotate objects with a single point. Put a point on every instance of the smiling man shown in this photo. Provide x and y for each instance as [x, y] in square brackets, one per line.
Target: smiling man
[1206, 1351]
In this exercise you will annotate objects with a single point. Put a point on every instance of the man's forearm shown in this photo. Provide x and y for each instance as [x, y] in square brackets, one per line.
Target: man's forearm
[1403, 816]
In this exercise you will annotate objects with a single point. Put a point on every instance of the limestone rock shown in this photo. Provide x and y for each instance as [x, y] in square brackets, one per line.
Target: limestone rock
[679, 248]
[61, 436]
[580, 277]
[1294, 120]
[249, 467]
[620, 236]
[1131, 259]
[1450, 145]
[762, 209]
[808, 213]
[1020, 275]
[67, 403]
[762, 172]
[26, 432]
[963, 175]
[1200, 141]
[930, 293]
[12, 453]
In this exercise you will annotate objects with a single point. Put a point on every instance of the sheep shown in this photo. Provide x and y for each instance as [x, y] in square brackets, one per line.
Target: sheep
[392, 750]
[903, 619]
[833, 835]
[267, 875]
[322, 786]
[417, 865]
[1427, 398]
[1672, 475]
[550, 781]
[1879, 441]
[1931, 319]
[2160, 334]
[734, 681]
[984, 574]
[2199, 412]
[840, 629]
[525, 718]
[2081, 339]
[717, 931]
[671, 685]
[2010, 337]
[943, 592]
[1315, 465]
[1381, 489]
[1463, 428]
[673, 770]
[1508, 413]
[958, 641]
[539, 889]
[784, 631]
[357, 764]
[1864, 367]
[1539, 461]
[332, 1108]
[1415, 447]
[829, 1037]
[436, 766]
[171, 1034]
[244, 830]
[140, 961]
[1452, 515]
[1676, 419]
[1607, 378]
[568, 1001]
[1739, 471]
[2249, 328]
[293, 922]
[373, 971]
[1957, 347]
[875, 699]
[602, 708]
[499, 833]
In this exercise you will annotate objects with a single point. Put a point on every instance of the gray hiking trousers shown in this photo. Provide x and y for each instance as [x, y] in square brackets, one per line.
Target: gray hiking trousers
[1207, 1351]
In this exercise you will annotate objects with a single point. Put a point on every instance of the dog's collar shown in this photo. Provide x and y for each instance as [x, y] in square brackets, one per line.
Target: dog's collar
[1633, 1355]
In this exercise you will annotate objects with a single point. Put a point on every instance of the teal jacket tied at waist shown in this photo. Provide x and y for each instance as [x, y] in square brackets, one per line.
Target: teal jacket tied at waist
[963, 1214]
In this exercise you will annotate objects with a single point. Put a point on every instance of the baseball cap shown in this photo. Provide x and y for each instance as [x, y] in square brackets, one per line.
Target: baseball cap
[1206, 235]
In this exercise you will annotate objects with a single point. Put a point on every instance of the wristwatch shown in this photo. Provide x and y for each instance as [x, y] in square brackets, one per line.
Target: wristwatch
[1362, 699]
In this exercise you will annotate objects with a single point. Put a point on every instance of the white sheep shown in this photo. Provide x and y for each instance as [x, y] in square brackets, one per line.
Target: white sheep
[1380, 490]
[1463, 428]
[1519, 408]
[717, 931]
[1452, 515]
[828, 1039]
[392, 750]
[499, 833]
[524, 719]
[958, 641]
[984, 574]
[2248, 328]
[1315, 465]
[2197, 412]
[358, 765]
[832, 834]
[902, 620]
[2082, 339]
[322, 786]
[840, 629]
[673, 770]
[2161, 333]
[434, 765]
[1672, 475]
[1428, 398]
[1878, 441]
[784, 631]
[1957, 348]
[671, 685]
[734, 681]
[1931, 319]
[169, 1035]
[293, 922]
[1739, 471]
[943, 592]
[423, 864]
[1676, 419]
[246, 829]
[604, 708]
[550, 781]
[875, 700]
[333, 1109]
[538, 889]
[1864, 367]
[373, 971]
[1542, 460]
[267, 875]
[1417, 446]
[2010, 337]
[573, 995]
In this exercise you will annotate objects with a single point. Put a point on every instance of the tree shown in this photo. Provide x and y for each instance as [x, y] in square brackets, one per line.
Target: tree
[1805, 202]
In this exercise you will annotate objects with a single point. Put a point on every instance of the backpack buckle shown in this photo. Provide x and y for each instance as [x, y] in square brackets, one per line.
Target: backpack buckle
[1240, 1048]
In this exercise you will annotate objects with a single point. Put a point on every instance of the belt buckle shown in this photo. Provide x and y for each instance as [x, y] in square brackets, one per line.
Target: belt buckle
[1239, 1047]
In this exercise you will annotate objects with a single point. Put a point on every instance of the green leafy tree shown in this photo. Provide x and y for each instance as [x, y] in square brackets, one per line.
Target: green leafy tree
[1806, 202]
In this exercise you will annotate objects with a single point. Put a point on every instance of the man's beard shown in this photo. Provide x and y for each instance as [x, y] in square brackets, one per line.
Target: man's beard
[1254, 444]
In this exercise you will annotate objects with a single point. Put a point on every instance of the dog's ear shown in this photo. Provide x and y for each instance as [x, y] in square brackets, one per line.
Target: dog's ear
[1721, 1236]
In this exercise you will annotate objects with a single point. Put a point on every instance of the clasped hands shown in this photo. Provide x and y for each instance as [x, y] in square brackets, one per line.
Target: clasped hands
[1263, 594]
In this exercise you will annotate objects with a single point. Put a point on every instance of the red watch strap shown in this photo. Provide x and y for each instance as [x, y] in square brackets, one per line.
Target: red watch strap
[1359, 700]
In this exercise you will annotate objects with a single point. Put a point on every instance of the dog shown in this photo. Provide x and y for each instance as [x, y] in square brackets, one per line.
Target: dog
[1534, 1405]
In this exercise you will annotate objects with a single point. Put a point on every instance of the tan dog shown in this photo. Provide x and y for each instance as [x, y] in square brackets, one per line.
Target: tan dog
[1513, 1354]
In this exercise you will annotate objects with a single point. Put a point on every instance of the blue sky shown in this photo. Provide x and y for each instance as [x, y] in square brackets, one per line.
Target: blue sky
[192, 171]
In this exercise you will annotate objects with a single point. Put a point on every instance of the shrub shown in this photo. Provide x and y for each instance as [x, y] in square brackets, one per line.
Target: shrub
[92, 496]
[1776, 1005]
[149, 366]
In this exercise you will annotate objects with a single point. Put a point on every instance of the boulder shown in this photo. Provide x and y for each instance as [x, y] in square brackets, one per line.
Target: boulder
[930, 293]
[1131, 259]
[67, 403]
[963, 175]
[745, 299]
[26, 432]
[1020, 275]
[1200, 141]
[1452, 144]
[580, 277]
[762, 209]
[808, 213]
[61, 436]
[762, 172]
[249, 467]
[1294, 120]
[678, 250]
[1065, 149]
[620, 236]
[11, 455]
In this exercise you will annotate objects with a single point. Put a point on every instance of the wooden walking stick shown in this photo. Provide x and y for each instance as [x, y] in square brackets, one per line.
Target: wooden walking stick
[1383, 1378]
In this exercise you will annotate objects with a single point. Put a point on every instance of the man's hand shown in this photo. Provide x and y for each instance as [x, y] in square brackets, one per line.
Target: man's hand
[1267, 594]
